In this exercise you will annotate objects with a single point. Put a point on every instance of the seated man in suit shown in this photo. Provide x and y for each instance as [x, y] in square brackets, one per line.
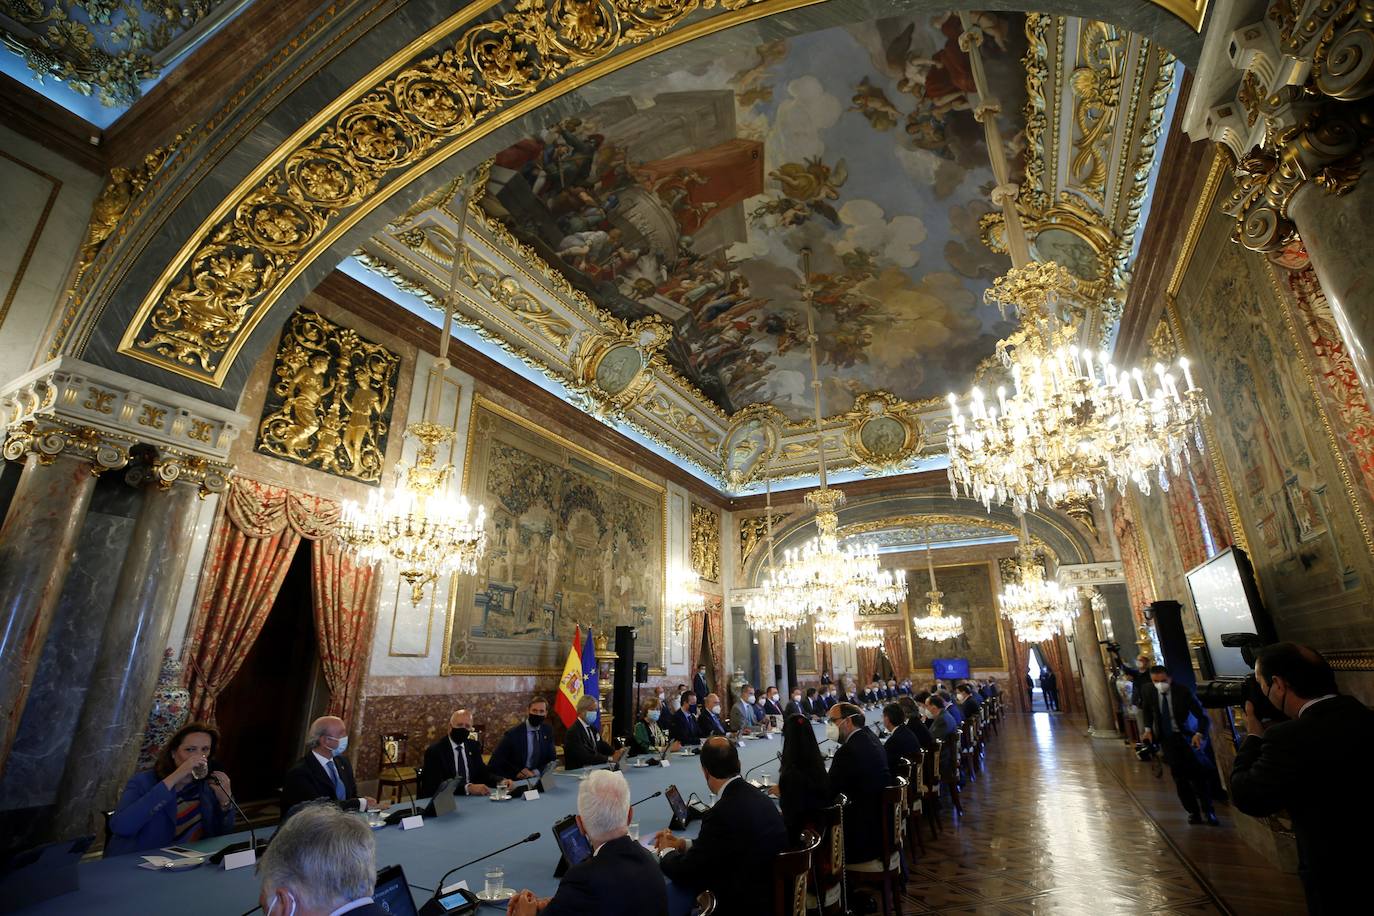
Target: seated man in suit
[811, 706]
[968, 702]
[943, 728]
[859, 772]
[682, 725]
[619, 878]
[794, 706]
[1315, 766]
[742, 829]
[743, 715]
[901, 741]
[708, 720]
[915, 721]
[456, 755]
[528, 747]
[322, 860]
[1176, 721]
[582, 746]
[324, 771]
[772, 705]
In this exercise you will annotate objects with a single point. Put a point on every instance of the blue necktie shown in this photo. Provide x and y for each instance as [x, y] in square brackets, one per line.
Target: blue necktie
[529, 749]
[338, 783]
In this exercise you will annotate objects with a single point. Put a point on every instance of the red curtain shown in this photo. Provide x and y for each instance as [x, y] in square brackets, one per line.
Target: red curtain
[896, 651]
[696, 624]
[715, 642]
[868, 664]
[1138, 586]
[344, 596]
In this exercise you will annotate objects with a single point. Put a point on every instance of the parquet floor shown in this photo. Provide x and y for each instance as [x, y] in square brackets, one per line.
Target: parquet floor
[1063, 824]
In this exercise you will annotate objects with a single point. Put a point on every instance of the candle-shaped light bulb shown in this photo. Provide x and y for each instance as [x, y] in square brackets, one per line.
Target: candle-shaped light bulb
[1187, 376]
[1002, 397]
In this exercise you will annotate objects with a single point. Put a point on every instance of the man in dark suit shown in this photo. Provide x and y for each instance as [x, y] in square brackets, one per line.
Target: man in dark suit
[456, 755]
[324, 771]
[682, 726]
[582, 746]
[1049, 686]
[859, 772]
[528, 747]
[914, 722]
[699, 686]
[322, 858]
[795, 705]
[771, 704]
[1176, 721]
[1030, 691]
[811, 706]
[901, 741]
[620, 877]
[1314, 764]
[968, 701]
[709, 721]
[743, 829]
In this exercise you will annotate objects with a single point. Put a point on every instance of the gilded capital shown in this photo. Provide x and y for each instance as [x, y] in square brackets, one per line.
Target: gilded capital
[51, 437]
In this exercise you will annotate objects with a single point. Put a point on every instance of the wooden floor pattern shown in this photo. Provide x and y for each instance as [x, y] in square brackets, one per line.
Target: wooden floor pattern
[1063, 824]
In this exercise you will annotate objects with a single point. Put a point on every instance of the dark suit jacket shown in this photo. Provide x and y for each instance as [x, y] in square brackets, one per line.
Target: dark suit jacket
[923, 736]
[1316, 766]
[901, 743]
[1188, 716]
[812, 706]
[970, 707]
[770, 708]
[741, 830]
[709, 724]
[509, 756]
[796, 708]
[583, 747]
[699, 688]
[682, 727]
[622, 879]
[307, 781]
[859, 770]
[440, 765]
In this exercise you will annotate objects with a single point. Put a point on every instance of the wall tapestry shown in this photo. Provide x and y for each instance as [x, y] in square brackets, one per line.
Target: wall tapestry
[1306, 538]
[968, 593]
[706, 543]
[329, 399]
[572, 540]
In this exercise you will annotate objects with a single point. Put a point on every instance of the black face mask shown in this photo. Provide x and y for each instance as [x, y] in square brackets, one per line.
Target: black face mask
[535, 721]
[459, 735]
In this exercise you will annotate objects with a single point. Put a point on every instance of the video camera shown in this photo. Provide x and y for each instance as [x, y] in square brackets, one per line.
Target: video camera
[1225, 692]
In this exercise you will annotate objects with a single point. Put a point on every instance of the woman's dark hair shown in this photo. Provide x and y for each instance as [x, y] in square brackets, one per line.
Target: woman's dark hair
[802, 765]
[164, 766]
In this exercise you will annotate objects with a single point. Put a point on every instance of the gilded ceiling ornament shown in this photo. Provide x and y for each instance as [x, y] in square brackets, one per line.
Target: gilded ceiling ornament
[612, 373]
[197, 317]
[1097, 97]
[937, 521]
[331, 399]
[705, 547]
[884, 434]
[683, 421]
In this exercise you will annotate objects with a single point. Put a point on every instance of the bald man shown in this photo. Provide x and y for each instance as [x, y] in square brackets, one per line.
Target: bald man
[324, 771]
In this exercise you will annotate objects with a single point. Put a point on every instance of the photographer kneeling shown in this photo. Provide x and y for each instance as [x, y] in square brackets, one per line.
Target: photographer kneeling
[1314, 765]
[1176, 721]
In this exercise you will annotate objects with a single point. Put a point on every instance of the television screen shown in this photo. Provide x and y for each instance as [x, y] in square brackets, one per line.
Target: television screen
[1222, 589]
[951, 669]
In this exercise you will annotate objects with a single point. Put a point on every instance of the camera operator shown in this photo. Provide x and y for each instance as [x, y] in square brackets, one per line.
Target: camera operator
[1315, 765]
[1176, 721]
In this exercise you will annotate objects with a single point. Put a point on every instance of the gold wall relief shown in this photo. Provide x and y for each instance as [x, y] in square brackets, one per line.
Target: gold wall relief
[330, 399]
[1097, 97]
[884, 433]
[753, 533]
[706, 543]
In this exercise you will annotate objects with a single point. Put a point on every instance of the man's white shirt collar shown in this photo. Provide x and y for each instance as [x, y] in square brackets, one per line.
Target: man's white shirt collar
[1304, 706]
[350, 907]
[324, 761]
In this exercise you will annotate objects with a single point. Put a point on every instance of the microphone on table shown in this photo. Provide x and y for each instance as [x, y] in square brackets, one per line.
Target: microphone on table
[396, 817]
[757, 765]
[202, 771]
[433, 906]
[646, 798]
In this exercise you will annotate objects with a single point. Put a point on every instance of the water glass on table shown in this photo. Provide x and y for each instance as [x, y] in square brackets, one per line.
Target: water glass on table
[495, 882]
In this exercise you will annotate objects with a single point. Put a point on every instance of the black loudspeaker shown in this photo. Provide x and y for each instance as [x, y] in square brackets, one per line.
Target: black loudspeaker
[641, 672]
[623, 700]
[791, 667]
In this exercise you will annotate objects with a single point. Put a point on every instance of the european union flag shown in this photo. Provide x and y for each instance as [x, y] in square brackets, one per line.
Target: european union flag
[591, 685]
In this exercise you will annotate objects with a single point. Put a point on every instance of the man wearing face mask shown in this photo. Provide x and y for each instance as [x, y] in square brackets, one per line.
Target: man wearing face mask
[699, 686]
[528, 747]
[771, 706]
[1176, 721]
[743, 715]
[582, 746]
[322, 862]
[457, 755]
[682, 724]
[794, 705]
[1315, 765]
[859, 772]
[708, 721]
[324, 771]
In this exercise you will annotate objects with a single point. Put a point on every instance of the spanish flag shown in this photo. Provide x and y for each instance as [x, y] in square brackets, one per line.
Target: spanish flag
[570, 684]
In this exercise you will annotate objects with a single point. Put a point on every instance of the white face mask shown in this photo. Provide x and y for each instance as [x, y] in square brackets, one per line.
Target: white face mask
[796, 698]
[589, 716]
[674, 703]
[715, 710]
[1162, 686]
[748, 698]
[343, 746]
[832, 730]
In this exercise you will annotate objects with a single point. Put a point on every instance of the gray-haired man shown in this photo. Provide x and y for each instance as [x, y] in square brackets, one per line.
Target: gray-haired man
[322, 862]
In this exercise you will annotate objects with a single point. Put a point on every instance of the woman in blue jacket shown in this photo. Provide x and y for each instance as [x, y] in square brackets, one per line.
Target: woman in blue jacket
[169, 804]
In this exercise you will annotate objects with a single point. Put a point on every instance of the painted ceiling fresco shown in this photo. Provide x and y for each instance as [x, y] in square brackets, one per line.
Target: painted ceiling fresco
[692, 198]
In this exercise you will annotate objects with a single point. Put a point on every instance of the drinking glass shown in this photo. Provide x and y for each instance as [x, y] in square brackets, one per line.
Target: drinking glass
[496, 879]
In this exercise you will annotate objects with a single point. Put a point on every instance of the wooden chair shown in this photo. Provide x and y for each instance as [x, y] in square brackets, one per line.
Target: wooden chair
[967, 748]
[930, 788]
[914, 771]
[885, 872]
[949, 770]
[790, 870]
[706, 904]
[396, 781]
[827, 865]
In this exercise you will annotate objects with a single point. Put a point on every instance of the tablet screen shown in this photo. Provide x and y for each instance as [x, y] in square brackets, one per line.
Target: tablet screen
[392, 893]
[572, 841]
[676, 803]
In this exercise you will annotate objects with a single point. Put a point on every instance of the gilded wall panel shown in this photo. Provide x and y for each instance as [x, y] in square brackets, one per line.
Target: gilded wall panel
[968, 594]
[706, 543]
[330, 399]
[572, 541]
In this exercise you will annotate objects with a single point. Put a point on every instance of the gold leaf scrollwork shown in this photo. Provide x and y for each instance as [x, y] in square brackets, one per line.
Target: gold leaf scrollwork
[1097, 98]
[705, 545]
[330, 403]
[196, 320]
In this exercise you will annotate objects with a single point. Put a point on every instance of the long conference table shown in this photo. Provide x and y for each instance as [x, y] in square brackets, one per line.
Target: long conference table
[118, 886]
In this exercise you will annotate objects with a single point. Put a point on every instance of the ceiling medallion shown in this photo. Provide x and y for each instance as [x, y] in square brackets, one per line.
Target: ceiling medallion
[935, 626]
[1072, 426]
[421, 525]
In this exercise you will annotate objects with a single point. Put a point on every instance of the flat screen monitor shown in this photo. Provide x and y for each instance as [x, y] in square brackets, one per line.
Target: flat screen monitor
[1227, 601]
[392, 893]
[951, 669]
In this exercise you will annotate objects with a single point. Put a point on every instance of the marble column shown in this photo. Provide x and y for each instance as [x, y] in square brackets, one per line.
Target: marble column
[1330, 229]
[1101, 720]
[126, 667]
[36, 546]
[780, 653]
[765, 661]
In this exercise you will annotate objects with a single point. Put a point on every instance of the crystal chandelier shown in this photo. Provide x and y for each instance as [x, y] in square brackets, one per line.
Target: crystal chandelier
[768, 609]
[868, 636]
[1073, 425]
[420, 524]
[822, 578]
[683, 598]
[1038, 609]
[935, 626]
